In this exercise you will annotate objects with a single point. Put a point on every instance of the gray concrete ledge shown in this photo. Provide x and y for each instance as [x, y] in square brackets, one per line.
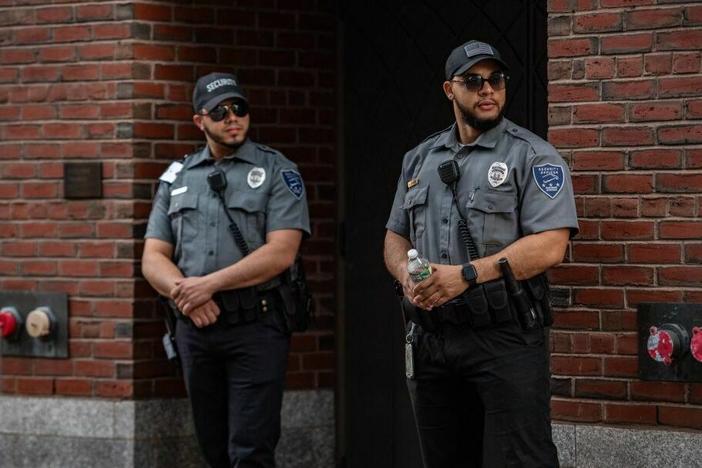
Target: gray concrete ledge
[66, 432]
[592, 446]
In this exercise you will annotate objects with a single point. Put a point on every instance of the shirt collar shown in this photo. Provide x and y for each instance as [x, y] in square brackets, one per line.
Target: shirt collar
[246, 152]
[489, 139]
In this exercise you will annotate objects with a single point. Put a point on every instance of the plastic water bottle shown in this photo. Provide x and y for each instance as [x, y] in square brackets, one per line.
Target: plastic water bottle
[417, 267]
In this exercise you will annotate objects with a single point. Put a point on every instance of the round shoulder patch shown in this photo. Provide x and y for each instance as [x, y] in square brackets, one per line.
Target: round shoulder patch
[497, 173]
[256, 177]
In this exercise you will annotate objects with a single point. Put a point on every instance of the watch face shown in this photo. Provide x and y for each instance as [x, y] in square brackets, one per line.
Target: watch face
[469, 273]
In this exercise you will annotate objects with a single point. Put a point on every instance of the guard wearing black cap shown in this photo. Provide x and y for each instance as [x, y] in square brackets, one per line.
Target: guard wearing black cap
[491, 206]
[226, 222]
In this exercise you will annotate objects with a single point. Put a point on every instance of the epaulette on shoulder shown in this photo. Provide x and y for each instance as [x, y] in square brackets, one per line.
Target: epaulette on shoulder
[266, 149]
[436, 134]
[537, 143]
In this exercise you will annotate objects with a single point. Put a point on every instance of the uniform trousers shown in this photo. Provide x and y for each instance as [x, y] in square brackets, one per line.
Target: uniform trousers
[481, 397]
[234, 374]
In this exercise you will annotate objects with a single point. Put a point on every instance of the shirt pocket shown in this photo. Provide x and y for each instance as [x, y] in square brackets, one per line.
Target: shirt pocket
[494, 215]
[185, 220]
[248, 209]
[416, 206]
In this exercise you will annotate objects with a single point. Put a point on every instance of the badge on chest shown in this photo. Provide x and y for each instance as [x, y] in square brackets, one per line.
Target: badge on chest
[256, 177]
[497, 173]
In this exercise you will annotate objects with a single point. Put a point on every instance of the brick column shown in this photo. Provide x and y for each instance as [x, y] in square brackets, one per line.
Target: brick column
[625, 99]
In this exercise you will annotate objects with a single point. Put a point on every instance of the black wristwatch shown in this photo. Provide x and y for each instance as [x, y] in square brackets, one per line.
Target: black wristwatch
[470, 275]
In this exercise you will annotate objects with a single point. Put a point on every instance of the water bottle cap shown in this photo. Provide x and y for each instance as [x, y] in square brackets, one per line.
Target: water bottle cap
[412, 253]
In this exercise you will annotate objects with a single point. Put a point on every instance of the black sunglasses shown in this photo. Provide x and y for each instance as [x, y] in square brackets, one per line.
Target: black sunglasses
[239, 108]
[473, 82]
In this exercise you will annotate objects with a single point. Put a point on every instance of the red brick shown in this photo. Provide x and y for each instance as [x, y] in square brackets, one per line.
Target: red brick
[595, 388]
[625, 44]
[693, 253]
[653, 19]
[628, 67]
[687, 62]
[655, 159]
[678, 182]
[680, 276]
[577, 319]
[630, 413]
[112, 31]
[597, 113]
[627, 230]
[621, 366]
[658, 391]
[580, 411]
[74, 387]
[653, 253]
[628, 183]
[694, 109]
[94, 368]
[32, 35]
[53, 367]
[57, 54]
[627, 276]
[71, 33]
[598, 22]
[680, 135]
[680, 86]
[597, 253]
[574, 274]
[684, 39]
[573, 92]
[599, 298]
[599, 68]
[153, 52]
[655, 111]
[628, 90]
[571, 47]
[17, 56]
[573, 137]
[624, 3]
[598, 160]
[658, 64]
[35, 386]
[144, 11]
[114, 389]
[94, 12]
[680, 416]
[696, 393]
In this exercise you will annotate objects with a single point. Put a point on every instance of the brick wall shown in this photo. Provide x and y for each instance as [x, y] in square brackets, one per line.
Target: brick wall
[625, 102]
[111, 82]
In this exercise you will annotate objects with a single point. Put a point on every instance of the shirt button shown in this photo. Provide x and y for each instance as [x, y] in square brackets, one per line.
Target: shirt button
[211, 252]
[444, 220]
[444, 254]
[212, 224]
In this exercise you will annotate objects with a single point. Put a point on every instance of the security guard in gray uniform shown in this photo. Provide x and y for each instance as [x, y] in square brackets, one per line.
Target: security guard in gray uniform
[479, 194]
[226, 222]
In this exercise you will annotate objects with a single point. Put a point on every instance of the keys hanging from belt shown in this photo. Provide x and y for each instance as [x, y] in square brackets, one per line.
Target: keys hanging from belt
[409, 352]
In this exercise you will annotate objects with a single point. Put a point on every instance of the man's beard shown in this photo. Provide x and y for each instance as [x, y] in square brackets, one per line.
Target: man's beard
[220, 141]
[483, 125]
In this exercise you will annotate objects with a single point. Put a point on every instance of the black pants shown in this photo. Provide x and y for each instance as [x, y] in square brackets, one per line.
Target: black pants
[481, 398]
[235, 375]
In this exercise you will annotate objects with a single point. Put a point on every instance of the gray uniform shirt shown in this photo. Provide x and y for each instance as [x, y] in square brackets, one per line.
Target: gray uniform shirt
[264, 193]
[512, 184]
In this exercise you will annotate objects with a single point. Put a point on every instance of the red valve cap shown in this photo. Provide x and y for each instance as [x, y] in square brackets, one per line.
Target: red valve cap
[8, 323]
[660, 346]
[696, 343]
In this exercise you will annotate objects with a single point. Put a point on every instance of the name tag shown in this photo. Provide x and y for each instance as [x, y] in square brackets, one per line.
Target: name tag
[171, 173]
[179, 190]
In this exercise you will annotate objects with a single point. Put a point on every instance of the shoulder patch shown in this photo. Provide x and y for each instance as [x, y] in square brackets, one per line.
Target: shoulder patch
[293, 181]
[549, 178]
[170, 174]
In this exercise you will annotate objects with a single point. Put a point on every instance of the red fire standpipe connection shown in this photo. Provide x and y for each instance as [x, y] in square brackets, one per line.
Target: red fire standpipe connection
[10, 323]
[667, 343]
[696, 344]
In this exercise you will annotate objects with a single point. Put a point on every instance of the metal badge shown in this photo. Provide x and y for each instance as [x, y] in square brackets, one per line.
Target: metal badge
[256, 177]
[412, 183]
[171, 173]
[497, 173]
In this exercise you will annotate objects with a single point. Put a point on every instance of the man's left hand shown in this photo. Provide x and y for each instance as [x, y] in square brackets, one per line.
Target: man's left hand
[191, 292]
[445, 283]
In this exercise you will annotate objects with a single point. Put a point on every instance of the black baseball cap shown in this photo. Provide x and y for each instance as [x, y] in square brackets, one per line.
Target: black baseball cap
[214, 88]
[466, 55]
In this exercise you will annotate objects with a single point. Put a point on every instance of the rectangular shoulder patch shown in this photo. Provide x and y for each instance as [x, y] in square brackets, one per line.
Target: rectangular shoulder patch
[170, 174]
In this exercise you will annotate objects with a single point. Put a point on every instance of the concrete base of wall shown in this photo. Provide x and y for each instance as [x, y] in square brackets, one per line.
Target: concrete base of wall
[585, 446]
[61, 432]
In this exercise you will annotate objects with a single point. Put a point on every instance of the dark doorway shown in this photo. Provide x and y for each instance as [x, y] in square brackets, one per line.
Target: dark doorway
[393, 55]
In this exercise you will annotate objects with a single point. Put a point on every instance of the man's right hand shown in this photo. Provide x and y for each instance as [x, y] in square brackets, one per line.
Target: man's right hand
[204, 315]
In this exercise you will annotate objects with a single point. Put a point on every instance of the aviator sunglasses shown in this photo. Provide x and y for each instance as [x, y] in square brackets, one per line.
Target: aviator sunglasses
[473, 82]
[239, 108]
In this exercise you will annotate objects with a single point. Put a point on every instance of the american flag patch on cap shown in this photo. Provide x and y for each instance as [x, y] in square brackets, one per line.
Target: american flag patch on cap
[477, 48]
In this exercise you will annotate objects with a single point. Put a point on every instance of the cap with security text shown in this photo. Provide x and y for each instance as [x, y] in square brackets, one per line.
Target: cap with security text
[466, 55]
[214, 88]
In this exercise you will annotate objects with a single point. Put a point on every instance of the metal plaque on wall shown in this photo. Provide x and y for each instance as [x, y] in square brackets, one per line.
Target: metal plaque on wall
[82, 180]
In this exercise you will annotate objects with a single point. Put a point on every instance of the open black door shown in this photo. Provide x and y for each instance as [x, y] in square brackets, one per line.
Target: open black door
[393, 54]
